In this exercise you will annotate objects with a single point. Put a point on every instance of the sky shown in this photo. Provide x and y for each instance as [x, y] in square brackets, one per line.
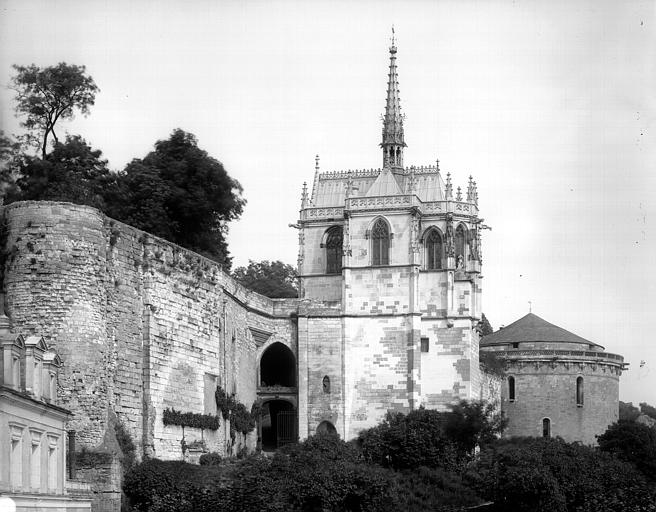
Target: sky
[551, 106]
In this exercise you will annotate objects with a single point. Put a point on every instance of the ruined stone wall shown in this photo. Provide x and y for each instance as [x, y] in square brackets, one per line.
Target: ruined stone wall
[141, 323]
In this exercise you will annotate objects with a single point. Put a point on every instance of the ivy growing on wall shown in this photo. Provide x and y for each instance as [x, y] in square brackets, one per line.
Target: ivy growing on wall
[191, 419]
[241, 419]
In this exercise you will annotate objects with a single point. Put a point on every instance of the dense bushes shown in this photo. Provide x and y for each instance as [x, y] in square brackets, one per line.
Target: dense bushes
[419, 461]
[322, 474]
[632, 442]
[529, 474]
[426, 437]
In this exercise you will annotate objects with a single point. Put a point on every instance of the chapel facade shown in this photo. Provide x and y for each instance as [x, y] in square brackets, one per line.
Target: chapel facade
[389, 264]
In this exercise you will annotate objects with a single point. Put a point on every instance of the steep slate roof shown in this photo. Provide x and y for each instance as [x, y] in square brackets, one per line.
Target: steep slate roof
[532, 328]
[385, 185]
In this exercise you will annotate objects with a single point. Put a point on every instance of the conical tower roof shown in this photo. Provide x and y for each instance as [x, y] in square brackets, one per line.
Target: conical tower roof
[532, 328]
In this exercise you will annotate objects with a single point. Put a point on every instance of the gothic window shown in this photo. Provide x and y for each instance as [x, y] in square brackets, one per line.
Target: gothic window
[326, 384]
[424, 344]
[334, 238]
[460, 246]
[579, 391]
[380, 243]
[511, 389]
[433, 250]
[546, 427]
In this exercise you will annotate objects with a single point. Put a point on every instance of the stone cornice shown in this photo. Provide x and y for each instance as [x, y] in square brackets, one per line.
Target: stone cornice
[26, 401]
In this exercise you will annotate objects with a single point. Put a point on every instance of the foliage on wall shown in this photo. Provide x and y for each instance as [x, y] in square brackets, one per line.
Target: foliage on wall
[241, 420]
[191, 419]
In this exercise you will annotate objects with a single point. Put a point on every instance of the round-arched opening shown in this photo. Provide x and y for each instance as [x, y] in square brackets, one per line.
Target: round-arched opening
[278, 423]
[278, 367]
[326, 427]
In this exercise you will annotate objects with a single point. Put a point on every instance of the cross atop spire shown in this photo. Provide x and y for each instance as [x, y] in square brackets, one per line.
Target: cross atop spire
[393, 142]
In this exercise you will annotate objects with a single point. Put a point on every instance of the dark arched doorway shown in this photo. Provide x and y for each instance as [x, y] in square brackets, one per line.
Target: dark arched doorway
[278, 423]
[278, 367]
[326, 427]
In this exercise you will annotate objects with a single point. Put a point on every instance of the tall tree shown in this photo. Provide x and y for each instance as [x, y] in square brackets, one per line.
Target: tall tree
[72, 172]
[10, 158]
[182, 194]
[274, 279]
[46, 95]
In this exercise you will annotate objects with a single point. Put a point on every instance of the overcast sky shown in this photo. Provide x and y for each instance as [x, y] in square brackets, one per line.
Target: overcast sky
[551, 107]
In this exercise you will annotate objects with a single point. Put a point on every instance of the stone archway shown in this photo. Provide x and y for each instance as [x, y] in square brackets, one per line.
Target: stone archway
[278, 367]
[278, 424]
[326, 427]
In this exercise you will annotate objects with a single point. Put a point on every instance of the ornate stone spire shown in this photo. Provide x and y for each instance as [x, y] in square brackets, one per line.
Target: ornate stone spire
[393, 142]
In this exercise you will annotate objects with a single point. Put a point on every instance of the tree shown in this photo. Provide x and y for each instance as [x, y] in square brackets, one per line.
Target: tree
[472, 423]
[484, 327]
[72, 172]
[409, 441]
[633, 442]
[628, 411]
[46, 95]
[647, 409]
[9, 166]
[274, 279]
[182, 194]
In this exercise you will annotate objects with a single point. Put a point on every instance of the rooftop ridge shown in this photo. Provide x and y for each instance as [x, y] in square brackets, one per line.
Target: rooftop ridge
[368, 173]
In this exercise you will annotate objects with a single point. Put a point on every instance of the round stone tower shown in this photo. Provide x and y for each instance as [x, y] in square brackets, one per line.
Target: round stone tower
[556, 383]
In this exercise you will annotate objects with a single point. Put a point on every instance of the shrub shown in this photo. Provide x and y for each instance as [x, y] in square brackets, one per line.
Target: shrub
[408, 441]
[434, 489]
[532, 474]
[210, 459]
[190, 419]
[632, 442]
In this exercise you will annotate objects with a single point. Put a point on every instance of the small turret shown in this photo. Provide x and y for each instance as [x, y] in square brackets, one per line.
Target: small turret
[448, 188]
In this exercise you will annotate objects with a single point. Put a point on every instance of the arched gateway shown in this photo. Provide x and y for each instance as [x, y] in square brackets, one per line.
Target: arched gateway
[278, 392]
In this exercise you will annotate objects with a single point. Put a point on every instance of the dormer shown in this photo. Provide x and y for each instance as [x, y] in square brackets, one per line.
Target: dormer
[35, 348]
[51, 365]
[13, 353]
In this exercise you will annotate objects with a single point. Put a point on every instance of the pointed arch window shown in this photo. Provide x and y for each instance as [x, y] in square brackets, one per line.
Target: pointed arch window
[380, 243]
[579, 391]
[334, 241]
[325, 384]
[460, 245]
[434, 250]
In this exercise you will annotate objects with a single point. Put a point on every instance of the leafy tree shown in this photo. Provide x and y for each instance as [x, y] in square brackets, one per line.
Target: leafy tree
[409, 441]
[544, 474]
[473, 423]
[484, 326]
[274, 279]
[647, 409]
[180, 193]
[72, 172]
[628, 411]
[46, 95]
[9, 165]
[633, 442]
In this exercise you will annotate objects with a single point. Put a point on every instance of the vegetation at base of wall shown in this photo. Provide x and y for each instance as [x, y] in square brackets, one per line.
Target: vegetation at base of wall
[241, 419]
[409, 462]
[190, 419]
[210, 459]
[125, 443]
[87, 457]
[632, 442]
[538, 474]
